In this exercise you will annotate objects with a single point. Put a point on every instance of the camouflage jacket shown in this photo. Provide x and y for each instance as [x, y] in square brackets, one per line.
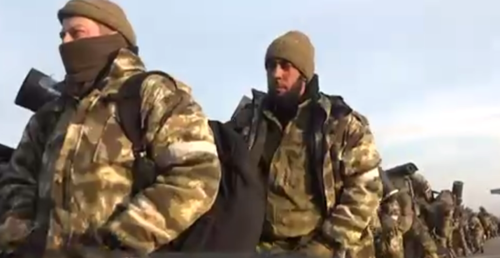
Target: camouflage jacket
[485, 219]
[91, 159]
[475, 224]
[442, 214]
[348, 212]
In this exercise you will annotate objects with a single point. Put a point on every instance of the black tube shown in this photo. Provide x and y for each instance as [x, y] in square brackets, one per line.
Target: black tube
[36, 90]
[405, 169]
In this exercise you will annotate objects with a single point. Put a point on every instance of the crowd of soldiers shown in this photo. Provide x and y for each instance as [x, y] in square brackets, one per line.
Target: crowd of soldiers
[81, 178]
[416, 221]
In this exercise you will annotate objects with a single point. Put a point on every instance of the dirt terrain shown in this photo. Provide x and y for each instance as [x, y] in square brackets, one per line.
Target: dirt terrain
[492, 249]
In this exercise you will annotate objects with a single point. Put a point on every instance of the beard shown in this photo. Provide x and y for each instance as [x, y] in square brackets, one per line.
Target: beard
[288, 102]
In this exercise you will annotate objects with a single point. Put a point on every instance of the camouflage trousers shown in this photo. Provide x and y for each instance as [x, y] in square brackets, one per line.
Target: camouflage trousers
[418, 241]
[365, 247]
[311, 248]
[315, 249]
[459, 242]
[477, 240]
[389, 244]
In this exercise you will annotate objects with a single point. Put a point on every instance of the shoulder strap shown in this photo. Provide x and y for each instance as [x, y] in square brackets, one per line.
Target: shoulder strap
[128, 101]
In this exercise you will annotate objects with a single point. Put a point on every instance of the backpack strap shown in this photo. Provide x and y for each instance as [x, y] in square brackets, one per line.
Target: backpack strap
[128, 104]
[128, 101]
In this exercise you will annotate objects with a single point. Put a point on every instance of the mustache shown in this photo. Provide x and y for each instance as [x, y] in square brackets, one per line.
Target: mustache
[280, 85]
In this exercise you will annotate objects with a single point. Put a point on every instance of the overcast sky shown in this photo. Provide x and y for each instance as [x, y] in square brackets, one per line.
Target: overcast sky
[423, 71]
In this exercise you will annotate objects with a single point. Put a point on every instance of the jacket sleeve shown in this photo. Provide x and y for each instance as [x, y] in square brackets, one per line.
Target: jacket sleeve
[18, 182]
[362, 187]
[184, 151]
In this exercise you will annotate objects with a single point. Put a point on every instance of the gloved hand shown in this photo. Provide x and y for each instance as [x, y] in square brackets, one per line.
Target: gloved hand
[13, 231]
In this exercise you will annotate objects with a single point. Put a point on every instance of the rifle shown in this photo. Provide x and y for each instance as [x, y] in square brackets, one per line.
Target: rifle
[406, 169]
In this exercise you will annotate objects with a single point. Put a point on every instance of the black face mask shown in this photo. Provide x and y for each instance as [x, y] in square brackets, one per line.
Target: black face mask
[85, 59]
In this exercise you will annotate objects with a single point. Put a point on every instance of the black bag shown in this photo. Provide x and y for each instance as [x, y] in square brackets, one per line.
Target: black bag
[234, 223]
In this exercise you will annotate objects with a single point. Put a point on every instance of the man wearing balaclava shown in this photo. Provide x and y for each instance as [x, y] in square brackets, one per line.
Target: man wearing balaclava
[75, 148]
[317, 155]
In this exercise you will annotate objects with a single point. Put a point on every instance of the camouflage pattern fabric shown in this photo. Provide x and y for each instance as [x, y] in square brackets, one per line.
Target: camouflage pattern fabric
[419, 239]
[362, 188]
[290, 211]
[419, 242]
[389, 236]
[92, 159]
[477, 232]
[442, 211]
[459, 240]
[488, 223]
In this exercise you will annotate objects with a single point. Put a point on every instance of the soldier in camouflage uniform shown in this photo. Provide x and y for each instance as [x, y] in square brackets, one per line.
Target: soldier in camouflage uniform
[418, 241]
[477, 233]
[395, 216]
[459, 239]
[320, 200]
[81, 144]
[441, 223]
[495, 222]
[389, 229]
[487, 222]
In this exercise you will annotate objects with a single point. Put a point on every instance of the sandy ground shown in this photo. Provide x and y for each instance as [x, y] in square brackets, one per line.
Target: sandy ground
[491, 250]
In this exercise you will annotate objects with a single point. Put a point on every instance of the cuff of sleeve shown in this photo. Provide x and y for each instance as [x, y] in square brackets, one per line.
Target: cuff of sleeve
[127, 234]
[335, 235]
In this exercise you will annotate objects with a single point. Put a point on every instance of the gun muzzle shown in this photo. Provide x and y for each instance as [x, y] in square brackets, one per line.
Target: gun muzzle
[36, 90]
[457, 190]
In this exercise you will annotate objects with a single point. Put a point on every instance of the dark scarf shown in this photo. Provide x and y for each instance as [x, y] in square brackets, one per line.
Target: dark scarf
[86, 60]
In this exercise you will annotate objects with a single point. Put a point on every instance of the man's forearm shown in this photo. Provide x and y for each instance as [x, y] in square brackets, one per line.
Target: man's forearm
[351, 216]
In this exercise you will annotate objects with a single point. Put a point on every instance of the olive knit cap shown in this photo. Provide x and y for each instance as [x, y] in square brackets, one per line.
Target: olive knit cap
[102, 11]
[296, 48]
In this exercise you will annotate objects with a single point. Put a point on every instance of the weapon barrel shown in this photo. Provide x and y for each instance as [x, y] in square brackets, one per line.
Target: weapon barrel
[457, 189]
[406, 169]
[36, 90]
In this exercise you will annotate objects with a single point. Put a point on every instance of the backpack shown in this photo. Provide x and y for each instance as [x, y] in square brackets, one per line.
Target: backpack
[234, 223]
